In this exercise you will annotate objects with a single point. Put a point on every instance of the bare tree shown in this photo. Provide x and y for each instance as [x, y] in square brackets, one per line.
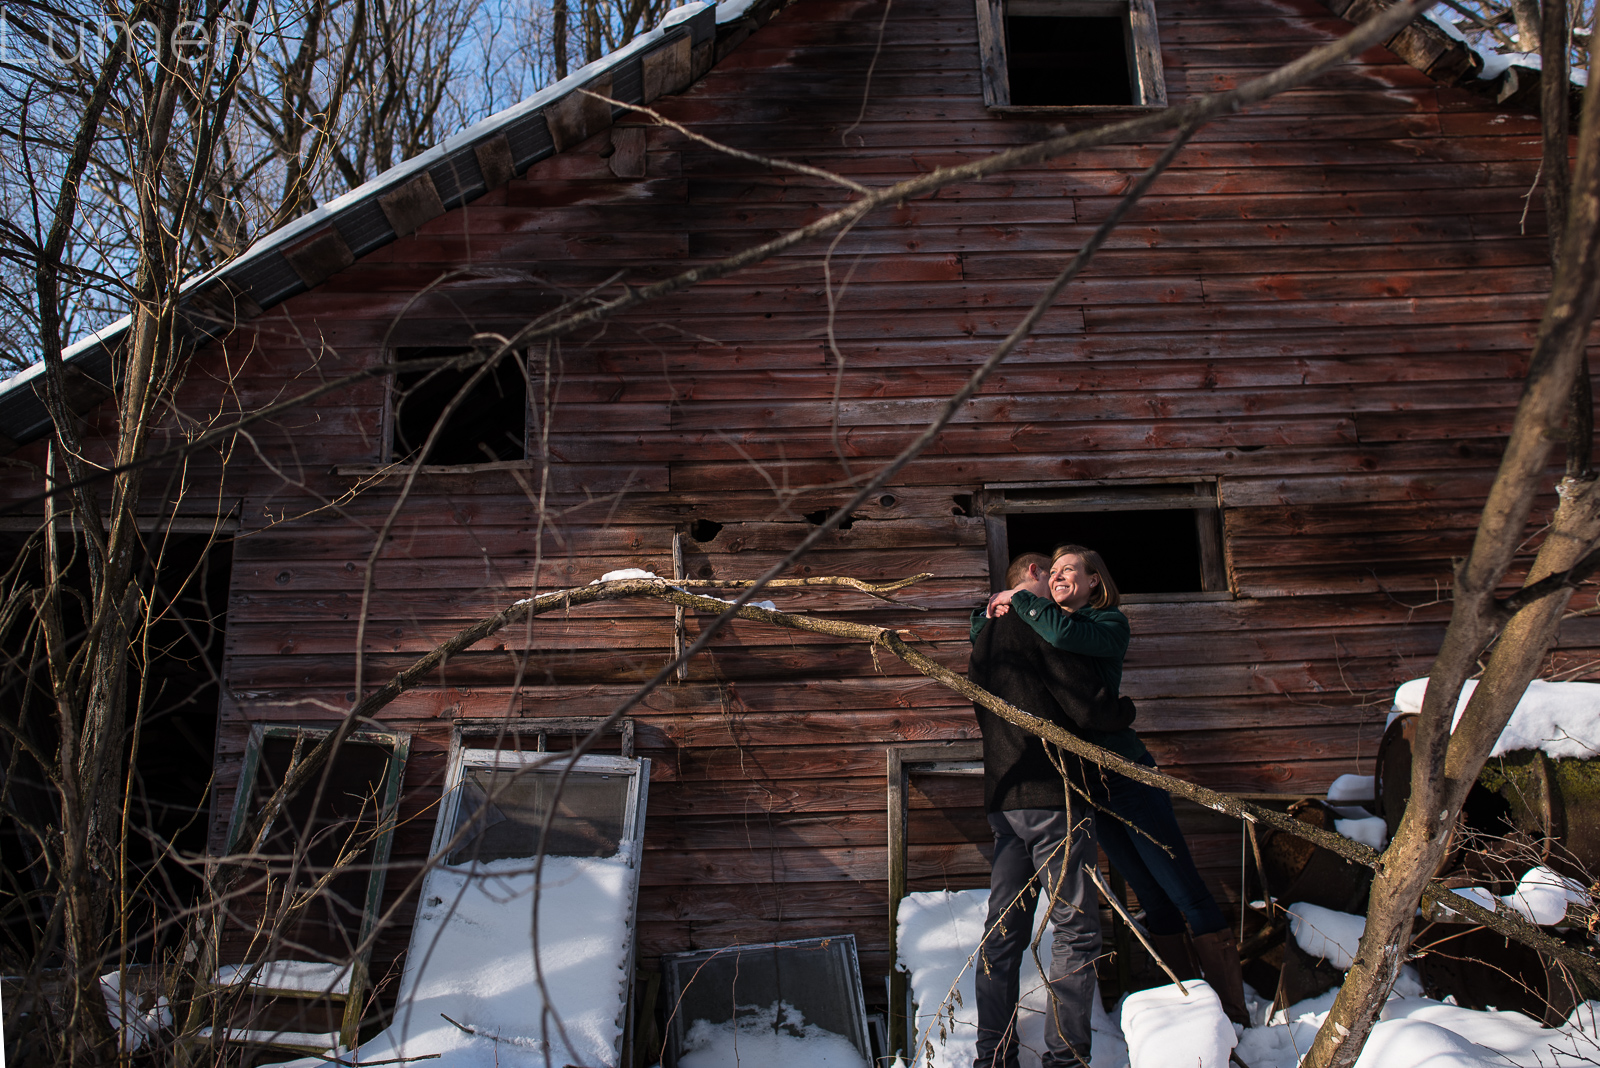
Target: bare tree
[172, 128]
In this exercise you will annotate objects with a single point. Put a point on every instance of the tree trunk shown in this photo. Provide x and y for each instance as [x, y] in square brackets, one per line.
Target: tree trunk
[1444, 765]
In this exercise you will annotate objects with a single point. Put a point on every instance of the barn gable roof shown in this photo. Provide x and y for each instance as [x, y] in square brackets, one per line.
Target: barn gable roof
[305, 252]
[687, 43]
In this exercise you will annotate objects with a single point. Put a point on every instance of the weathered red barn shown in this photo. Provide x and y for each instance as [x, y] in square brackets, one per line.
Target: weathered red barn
[1275, 401]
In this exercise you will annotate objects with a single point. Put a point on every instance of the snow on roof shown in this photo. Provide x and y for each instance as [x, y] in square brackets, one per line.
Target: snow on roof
[459, 169]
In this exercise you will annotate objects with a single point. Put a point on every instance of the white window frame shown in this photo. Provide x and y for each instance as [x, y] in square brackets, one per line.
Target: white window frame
[464, 755]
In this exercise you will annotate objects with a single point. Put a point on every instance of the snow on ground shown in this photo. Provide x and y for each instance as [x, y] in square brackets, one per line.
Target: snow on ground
[1562, 718]
[775, 1035]
[1371, 830]
[937, 936]
[1326, 934]
[1417, 1032]
[1167, 1026]
[471, 959]
[301, 975]
[1541, 897]
[939, 932]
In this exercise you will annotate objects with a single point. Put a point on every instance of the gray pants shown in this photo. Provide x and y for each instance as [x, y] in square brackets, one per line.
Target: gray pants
[1027, 843]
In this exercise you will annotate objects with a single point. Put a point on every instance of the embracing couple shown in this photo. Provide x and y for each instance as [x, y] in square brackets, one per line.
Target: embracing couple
[1052, 644]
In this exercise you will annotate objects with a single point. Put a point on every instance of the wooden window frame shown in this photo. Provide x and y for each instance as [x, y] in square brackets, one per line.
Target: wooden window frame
[932, 758]
[388, 428]
[398, 743]
[1203, 496]
[1142, 36]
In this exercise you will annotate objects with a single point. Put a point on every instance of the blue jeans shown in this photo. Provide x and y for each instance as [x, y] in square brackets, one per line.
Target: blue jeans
[1034, 847]
[1160, 872]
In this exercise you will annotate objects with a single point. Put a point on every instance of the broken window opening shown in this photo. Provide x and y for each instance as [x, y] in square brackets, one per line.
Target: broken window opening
[488, 424]
[1055, 60]
[1070, 54]
[1160, 540]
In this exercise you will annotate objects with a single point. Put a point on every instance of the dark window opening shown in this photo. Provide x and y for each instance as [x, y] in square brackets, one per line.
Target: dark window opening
[1147, 551]
[488, 424]
[1158, 538]
[1077, 62]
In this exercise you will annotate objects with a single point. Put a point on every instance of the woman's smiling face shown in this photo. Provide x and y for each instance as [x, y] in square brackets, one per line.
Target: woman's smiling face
[1072, 585]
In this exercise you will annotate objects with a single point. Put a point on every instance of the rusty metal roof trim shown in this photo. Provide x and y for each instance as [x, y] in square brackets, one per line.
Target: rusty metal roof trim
[1450, 60]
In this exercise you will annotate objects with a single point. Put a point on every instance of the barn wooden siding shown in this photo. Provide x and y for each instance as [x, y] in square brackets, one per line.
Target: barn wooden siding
[1326, 304]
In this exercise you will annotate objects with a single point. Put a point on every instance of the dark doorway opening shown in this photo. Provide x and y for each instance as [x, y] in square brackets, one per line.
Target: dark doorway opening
[172, 692]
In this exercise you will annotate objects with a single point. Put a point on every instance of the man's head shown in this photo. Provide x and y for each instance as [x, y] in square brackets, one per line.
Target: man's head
[1029, 569]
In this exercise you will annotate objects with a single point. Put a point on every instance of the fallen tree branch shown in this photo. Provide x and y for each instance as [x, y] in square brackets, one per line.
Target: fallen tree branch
[1512, 926]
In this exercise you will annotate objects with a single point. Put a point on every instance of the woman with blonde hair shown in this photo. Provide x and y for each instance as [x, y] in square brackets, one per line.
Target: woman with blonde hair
[1134, 823]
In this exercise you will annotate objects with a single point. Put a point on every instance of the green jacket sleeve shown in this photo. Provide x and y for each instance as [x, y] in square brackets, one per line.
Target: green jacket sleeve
[978, 622]
[1088, 631]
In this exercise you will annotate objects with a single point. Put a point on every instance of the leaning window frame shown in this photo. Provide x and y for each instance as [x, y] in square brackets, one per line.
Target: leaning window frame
[1143, 37]
[398, 746]
[1202, 495]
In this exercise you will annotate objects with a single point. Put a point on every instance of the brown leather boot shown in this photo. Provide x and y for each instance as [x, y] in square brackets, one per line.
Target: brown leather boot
[1174, 949]
[1219, 963]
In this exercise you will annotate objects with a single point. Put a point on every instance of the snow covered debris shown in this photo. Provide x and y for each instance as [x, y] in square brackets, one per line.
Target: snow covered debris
[134, 1025]
[1562, 718]
[777, 1034]
[471, 959]
[1332, 936]
[1542, 896]
[625, 573]
[301, 975]
[1163, 1020]
[1351, 789]
[637, 573]
[937, 937]
[1417, 1032]
[1372, 831]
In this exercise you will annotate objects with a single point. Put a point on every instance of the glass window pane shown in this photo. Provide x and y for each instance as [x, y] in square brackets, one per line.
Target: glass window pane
[506, 807]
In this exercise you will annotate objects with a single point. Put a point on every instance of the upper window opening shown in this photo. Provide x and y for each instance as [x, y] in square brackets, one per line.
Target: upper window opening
[1158, 540]
[489, 423]
[1070, 53]
[1073, 61]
